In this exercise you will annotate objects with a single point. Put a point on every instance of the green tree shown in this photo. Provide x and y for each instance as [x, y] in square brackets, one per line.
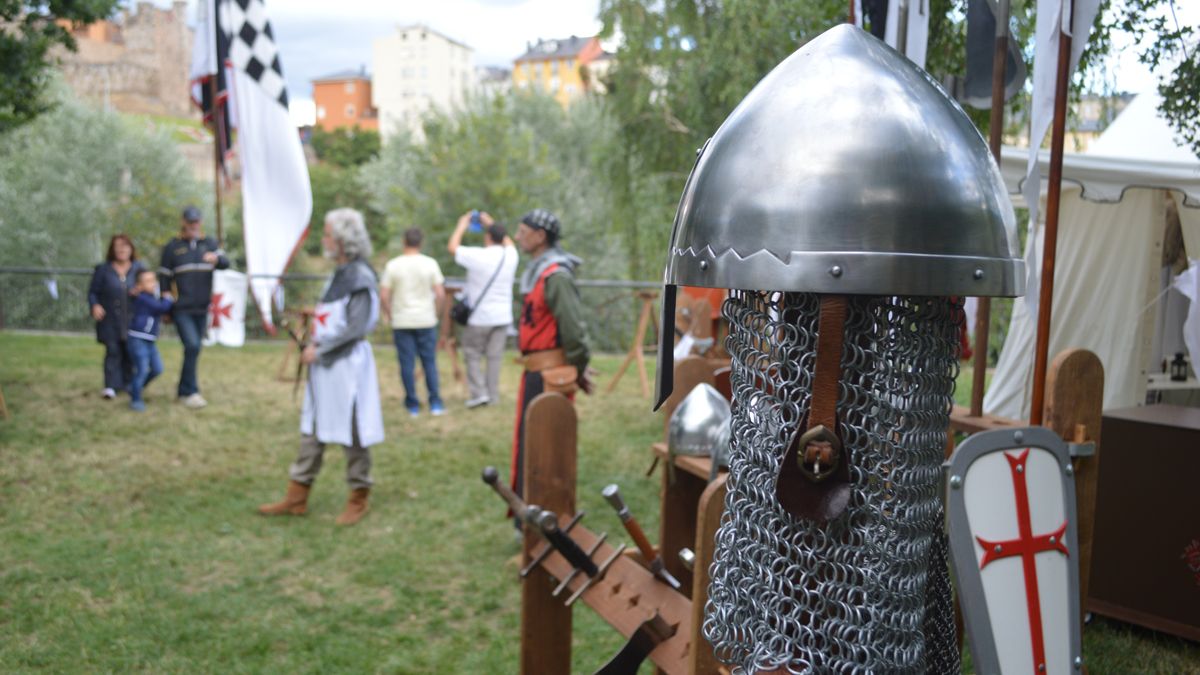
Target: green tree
[506, 155]
[345, 147]
[335, 187]
[76, 175]
[29, 30]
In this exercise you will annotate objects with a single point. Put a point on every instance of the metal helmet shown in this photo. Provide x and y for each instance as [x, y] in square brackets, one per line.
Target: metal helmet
[695, 426]
[846, 170]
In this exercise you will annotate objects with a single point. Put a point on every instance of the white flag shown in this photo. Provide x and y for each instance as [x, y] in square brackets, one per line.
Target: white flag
[276, 194]
[227, 309]
[916, 30]
[1051, 23]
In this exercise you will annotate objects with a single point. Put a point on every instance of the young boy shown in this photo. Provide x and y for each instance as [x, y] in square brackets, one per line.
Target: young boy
[143, 334]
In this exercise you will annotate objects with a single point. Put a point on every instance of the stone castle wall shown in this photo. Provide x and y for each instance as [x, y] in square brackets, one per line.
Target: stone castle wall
[138, 64]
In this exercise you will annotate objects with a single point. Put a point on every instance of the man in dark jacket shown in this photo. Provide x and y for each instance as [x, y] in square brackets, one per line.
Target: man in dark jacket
[187, 265]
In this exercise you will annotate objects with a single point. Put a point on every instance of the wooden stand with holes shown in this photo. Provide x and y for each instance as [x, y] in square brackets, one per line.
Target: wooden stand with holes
[637, 350]
[628, 593]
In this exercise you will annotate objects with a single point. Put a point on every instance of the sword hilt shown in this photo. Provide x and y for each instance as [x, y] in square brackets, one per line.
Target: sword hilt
[547, 522]
[492, 477]
[612, 494]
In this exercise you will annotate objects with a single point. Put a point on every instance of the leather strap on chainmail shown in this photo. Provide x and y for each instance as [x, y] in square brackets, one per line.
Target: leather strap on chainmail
[814, 476]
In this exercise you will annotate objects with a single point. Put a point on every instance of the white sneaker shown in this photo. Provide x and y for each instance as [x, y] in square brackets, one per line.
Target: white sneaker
[476, 402]
[195, 401]
[108, 392]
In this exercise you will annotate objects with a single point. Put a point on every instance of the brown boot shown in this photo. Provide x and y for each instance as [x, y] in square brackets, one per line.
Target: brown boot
[356, 507]
[295, 502]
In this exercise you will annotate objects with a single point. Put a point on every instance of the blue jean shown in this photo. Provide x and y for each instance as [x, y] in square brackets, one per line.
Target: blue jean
[410, 343]
[147, 365]
[191, 328]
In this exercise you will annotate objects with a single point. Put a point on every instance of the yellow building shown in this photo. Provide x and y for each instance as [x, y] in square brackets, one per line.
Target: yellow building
[556, 67]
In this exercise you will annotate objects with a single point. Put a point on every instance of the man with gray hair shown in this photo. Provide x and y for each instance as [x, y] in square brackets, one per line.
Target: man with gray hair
[341, 401]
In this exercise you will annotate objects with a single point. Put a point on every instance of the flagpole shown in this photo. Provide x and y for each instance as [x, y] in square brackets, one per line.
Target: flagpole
[983, 312]
[217, 137]
[217, 151]
[1054, 191]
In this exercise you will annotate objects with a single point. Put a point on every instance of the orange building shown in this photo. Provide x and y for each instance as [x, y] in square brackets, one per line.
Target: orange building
[344, 100]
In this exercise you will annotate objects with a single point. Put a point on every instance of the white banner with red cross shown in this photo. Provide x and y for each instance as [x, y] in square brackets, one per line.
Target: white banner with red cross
[1010, 509]
[227, 309]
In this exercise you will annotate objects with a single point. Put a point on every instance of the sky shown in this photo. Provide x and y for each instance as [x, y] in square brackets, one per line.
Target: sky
[318, 37]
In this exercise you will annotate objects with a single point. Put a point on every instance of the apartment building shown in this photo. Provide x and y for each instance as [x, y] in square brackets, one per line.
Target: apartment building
[418, 69]
[558, 67]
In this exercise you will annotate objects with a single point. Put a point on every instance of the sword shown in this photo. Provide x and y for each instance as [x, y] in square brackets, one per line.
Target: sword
[613, 495]
[649, 635]
[547, 522]
[517, 505]
[301, 343]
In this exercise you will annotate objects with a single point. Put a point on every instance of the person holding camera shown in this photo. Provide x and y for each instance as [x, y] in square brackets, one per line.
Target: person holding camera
[486, 302]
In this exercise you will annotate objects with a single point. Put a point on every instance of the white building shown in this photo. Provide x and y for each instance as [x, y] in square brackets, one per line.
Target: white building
[416, 69]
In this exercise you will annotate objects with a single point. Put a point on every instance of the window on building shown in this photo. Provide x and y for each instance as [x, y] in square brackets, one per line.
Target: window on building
[554, 68]
[350, 110]
[320, 112]
[350, 87]
[570, 65]
[424, 72]
[570, 89]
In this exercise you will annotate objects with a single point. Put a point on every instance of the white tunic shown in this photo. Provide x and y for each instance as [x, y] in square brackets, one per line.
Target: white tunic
[347, 386]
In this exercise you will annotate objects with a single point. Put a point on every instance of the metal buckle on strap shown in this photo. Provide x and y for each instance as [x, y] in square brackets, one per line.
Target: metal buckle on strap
[821, 451]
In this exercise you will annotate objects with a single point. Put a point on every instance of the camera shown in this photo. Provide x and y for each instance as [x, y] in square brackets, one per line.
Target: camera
[476, 226]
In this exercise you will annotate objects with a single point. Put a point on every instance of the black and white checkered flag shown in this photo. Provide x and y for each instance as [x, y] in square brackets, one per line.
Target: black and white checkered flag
[252, 48]
[234, 38]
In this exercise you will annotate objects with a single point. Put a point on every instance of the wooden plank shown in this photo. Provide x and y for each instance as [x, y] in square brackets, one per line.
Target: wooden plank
[550, 456]
[677, 522]
[710, 508]
[1074, 410]
[961, 419]
[697, 466]
[626, 596]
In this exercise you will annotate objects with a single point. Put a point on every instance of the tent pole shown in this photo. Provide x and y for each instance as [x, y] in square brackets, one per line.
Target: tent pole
[1050, 244]
[983, 313]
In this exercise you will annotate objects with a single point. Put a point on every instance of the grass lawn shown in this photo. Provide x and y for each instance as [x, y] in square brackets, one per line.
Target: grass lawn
[129, 542]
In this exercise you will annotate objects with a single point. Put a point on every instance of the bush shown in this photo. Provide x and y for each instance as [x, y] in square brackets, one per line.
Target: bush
[77, 175]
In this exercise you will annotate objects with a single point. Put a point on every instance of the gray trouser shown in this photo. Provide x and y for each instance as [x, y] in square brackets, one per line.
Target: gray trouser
[477, 342]
[308, 462]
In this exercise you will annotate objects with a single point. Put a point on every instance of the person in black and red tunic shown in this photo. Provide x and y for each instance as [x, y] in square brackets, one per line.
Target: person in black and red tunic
[552, 333]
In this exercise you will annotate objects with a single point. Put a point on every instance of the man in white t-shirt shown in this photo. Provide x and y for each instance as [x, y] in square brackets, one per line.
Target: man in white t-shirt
[489, 292]
[411, 292]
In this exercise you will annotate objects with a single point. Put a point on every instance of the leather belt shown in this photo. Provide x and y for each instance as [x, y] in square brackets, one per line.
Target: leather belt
[535, 362]
[814, 476]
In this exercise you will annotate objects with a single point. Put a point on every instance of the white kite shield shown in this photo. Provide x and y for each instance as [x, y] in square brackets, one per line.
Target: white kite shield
[1010, 510]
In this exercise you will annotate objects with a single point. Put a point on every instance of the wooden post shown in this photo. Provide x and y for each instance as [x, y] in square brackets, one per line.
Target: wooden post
[1050, 243]
[3, 407]
[550, 447]
[637, 350]
[983, 312]
[709, 510]
[1074, 402]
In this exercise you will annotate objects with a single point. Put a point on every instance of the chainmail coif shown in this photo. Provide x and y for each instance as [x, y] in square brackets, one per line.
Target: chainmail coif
[868, 592]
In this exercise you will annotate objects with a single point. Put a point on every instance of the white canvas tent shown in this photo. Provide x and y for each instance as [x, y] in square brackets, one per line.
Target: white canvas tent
[1109, 279]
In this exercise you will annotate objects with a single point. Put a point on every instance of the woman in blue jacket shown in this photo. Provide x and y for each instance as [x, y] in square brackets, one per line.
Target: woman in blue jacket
[110, 303]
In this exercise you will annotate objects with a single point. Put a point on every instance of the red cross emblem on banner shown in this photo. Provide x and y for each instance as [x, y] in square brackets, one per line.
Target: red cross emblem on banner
[320, 320]
[1026, 545]
[217, 310]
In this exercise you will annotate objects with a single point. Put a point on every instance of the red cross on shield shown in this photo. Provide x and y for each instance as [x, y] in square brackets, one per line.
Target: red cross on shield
[216, 310]
[1010, 504]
